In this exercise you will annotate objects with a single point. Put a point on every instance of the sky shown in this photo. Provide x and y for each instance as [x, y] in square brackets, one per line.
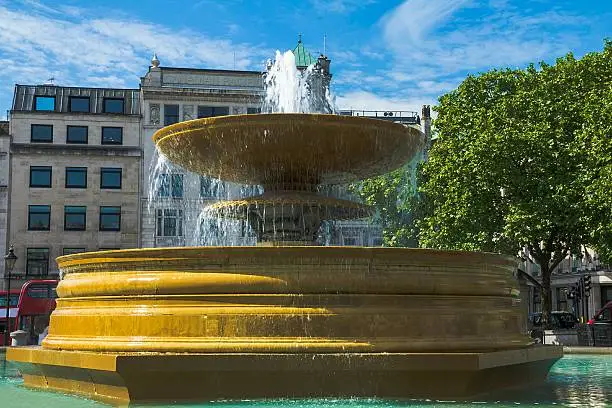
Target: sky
[386, 54]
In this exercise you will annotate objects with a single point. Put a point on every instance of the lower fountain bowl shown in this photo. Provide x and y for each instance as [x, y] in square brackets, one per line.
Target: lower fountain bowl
[366, 314]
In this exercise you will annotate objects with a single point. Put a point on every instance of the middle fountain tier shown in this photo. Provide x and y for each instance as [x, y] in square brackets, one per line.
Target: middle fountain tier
[291, 156]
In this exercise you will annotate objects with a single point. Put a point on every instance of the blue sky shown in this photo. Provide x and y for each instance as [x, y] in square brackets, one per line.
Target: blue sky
[386, 54]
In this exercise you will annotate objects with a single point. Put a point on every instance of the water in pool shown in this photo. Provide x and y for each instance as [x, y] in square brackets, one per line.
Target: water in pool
[574, 381]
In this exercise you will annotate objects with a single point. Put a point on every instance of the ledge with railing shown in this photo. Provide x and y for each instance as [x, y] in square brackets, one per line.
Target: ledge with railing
[404, 117]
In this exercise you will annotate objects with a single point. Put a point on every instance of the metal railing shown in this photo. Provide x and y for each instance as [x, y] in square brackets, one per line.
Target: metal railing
[406, 117]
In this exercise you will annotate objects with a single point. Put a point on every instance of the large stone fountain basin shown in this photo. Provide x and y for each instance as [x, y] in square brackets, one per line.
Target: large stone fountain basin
[289, 151]
[265, 322]
[268, 299]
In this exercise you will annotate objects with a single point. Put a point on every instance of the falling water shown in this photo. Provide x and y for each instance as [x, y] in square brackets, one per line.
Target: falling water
[291, 90]
[179, 202]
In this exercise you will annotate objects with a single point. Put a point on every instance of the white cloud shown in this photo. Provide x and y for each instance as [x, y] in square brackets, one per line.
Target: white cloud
[419, 35]
[413, 19]
[431, 45]
[340, 6]
[41, 42]
[363, 100]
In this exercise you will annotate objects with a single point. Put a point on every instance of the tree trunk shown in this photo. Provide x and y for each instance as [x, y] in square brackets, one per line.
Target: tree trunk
[546, 294]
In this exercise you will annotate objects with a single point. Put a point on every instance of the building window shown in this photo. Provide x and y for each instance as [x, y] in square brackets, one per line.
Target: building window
[205, 187]
[37, 262]
[40, 176]
[76, 177]
[39, 217]
[537, 300]
[209, 111]
[113, 105]
[44, 103]
[42, 134]
[252, 111]
[171, 185]
[110, 218]
[79, 104]
[210, 188]
[171, 114]
[75, 217]
[562, 299]
[77, 134]
[112, 135]
[169, 223]
[110, 178]
[71, 251]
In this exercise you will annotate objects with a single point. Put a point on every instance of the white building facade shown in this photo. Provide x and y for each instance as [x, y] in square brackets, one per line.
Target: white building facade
[170, 209]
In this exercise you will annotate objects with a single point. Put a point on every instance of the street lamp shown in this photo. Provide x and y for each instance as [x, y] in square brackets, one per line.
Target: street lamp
[9, 264]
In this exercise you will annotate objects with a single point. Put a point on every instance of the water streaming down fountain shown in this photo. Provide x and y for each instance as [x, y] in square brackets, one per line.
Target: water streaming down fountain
[297, 211]
[285, 320]
[197, 225]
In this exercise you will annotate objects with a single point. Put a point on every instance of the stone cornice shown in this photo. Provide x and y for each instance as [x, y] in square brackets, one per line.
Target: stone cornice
[216, 95]
[65, 149]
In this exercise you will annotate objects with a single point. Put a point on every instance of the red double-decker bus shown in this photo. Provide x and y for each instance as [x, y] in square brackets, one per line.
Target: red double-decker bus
[36, 301]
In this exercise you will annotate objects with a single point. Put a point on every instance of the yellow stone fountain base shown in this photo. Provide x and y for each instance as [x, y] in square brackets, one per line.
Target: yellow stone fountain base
[148, 377]
[267, 322]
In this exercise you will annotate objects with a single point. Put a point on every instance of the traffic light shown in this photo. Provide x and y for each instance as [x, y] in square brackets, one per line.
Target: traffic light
[572, 293]
[587, 284]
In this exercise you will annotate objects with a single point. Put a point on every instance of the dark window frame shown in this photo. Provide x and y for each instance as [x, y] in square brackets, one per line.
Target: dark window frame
[104, 170]
[164, 218]
[166, 116]
[169, 185]
[83, 213]
[222, 111]
[77, 127]
[562, 299]
[111, 142]
[41, 168]
[39, 125]
[104, 107]
[205, 187]
[35, 105]
[32, 260]
[71, 98]
[71, 169]
[101, 226]
[30, 227]
[72, 250]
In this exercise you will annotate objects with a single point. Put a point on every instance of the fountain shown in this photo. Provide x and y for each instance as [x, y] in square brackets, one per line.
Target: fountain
[285, 318]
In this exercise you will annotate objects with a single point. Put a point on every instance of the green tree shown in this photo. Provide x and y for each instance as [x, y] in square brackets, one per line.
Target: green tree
[516, 163]
[393, 196]
[596, 142]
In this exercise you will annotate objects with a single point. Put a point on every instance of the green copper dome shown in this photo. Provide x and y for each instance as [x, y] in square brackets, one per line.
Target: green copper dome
[303, 57]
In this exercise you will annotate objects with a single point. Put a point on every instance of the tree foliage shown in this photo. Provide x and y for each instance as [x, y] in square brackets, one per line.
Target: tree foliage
[523, 159]
[393, 197]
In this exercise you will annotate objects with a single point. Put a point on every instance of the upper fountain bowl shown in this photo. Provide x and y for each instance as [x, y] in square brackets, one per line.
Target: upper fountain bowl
[287, 150]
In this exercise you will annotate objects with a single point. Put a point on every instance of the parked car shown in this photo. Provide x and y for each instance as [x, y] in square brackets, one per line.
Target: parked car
[557, 320]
